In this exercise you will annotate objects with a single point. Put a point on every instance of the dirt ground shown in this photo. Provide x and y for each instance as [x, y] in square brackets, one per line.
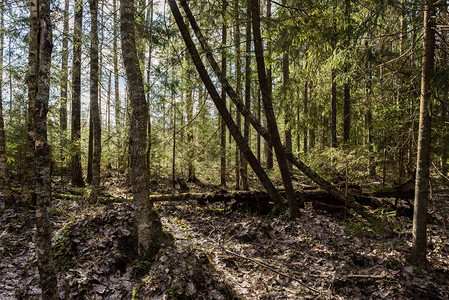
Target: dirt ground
[222, 251]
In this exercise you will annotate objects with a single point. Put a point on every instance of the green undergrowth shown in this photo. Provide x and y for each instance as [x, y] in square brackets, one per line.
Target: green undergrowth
[382, 223]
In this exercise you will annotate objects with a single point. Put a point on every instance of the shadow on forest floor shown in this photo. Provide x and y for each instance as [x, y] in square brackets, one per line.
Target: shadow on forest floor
[220, 253]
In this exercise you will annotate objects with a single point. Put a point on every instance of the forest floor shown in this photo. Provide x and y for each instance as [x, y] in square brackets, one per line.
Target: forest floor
[220, 252]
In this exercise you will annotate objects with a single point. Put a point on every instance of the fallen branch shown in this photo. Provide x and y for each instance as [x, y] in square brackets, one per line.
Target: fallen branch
[271, 269]
[366, 276]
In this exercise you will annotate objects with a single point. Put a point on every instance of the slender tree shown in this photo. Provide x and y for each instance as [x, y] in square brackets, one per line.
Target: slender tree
[419, 243]
[269, 113]
[95, 112]
[323, 183]
[117, 104]
[305, 104]
[90, 146]
[63, 83]
[238, 87]
[77, 172]
[42, 153]
[150, 14]
[221, 122]
[268, 148]
[347, 84]
[220, 103]
[243, 163]
[149, 227]
[334, 141]
[4, 172]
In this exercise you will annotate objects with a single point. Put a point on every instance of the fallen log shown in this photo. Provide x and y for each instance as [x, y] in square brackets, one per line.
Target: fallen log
[236, 99]
[221, 196]
[255, 201]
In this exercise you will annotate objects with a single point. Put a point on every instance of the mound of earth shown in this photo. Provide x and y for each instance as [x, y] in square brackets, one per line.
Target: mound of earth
[183, 273]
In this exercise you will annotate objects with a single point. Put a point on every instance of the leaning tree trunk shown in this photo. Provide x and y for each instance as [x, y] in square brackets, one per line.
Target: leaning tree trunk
[149, 227]
[419, 244]
[269, 112]
[33, 70]
[77, 173]
[221, 106]
[324, 184]
[95, 112]
[4, 172]
[42, 152]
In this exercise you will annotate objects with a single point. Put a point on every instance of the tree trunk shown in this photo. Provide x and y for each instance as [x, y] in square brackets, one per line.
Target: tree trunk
[287, 106]
[173, 165]
[259, 114]
[268, 147]
[334, 110]
[221, 105]
[90, 146]
[445, 95]
[419, 243]
[149, 227]
[324, 184]
[108, 107]
[347, 85]
[77, 173]
[238, 87]
[42, 152]
[95, 111]
[150, 14]
[243, 162]
[4, 172]
[117, 104]
[288, 116]
[64, 86]
[222, 124]
[33, 73]
[269, 113]
[369, 115]
[306, 118]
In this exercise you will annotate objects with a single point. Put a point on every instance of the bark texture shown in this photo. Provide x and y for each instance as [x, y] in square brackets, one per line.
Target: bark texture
[33, 73]
[77, 172]
[42, 152]
[94, 108]
[419, 243]
[221, 105]
[149, 227]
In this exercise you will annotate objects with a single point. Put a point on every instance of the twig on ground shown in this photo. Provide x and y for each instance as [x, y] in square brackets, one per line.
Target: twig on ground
[366, 276]
[270, 268]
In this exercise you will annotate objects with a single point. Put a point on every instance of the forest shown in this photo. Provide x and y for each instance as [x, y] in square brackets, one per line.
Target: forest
[224, 149]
